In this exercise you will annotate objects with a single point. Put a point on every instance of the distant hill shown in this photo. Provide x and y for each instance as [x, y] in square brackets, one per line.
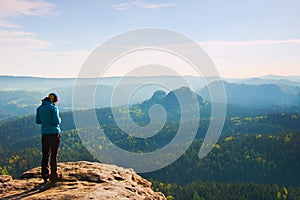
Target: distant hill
[260, 95]
[268, 79]
[45, 84]
[170, 103]
[196, 83]
[261, 81]
[28, 83]
[291, 78]
[16, 103]
[21, 95]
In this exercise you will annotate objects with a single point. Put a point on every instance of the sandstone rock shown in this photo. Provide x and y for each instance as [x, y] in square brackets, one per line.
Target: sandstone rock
[5, 178]
[80, 180]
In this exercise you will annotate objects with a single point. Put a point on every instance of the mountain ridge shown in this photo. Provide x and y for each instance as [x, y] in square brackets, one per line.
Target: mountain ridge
[264, 94]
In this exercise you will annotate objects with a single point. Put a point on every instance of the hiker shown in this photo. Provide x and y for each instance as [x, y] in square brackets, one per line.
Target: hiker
[47, 115]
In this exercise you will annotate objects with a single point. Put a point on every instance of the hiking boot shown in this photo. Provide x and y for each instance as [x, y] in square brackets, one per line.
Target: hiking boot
[53, 178]
[46, 179]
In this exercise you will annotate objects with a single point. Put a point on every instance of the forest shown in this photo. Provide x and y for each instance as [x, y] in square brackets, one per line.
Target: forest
[256, 157]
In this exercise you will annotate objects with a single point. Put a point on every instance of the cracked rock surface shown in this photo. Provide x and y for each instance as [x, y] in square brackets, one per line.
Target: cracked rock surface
[80, 180]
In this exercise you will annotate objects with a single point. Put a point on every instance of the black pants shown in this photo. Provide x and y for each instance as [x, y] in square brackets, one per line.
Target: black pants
[50, 144]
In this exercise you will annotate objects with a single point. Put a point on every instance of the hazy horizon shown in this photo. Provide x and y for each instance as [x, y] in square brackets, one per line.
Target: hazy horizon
[32, 76]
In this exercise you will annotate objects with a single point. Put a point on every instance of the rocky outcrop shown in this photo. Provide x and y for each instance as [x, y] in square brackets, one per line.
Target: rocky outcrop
[80, 180]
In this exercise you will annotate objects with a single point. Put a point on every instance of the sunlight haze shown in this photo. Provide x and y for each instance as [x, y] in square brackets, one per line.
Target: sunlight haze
[243, 38]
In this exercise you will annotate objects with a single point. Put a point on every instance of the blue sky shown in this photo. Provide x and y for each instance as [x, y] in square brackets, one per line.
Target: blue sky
[243, 38]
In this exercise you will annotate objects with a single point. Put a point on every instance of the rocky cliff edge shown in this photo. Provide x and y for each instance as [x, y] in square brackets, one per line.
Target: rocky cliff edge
[80, 180]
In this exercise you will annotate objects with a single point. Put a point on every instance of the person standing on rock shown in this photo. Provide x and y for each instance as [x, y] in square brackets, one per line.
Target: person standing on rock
[47, 115]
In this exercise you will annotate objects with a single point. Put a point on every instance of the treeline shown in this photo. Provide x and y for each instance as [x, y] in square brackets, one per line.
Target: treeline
[254, 158]
[233, 191]
[265, 159]
[20, 133]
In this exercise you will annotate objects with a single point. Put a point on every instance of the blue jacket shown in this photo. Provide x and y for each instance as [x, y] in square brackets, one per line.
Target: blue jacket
[47, 114]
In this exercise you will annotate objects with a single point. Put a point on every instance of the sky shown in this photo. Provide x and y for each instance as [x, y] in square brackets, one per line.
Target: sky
[242, 38]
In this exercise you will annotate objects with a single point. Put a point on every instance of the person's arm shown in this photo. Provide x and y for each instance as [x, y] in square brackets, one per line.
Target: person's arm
[37, 117]
[56, 118]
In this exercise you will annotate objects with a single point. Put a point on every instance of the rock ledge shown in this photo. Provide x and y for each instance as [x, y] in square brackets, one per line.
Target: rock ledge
[80, 180]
